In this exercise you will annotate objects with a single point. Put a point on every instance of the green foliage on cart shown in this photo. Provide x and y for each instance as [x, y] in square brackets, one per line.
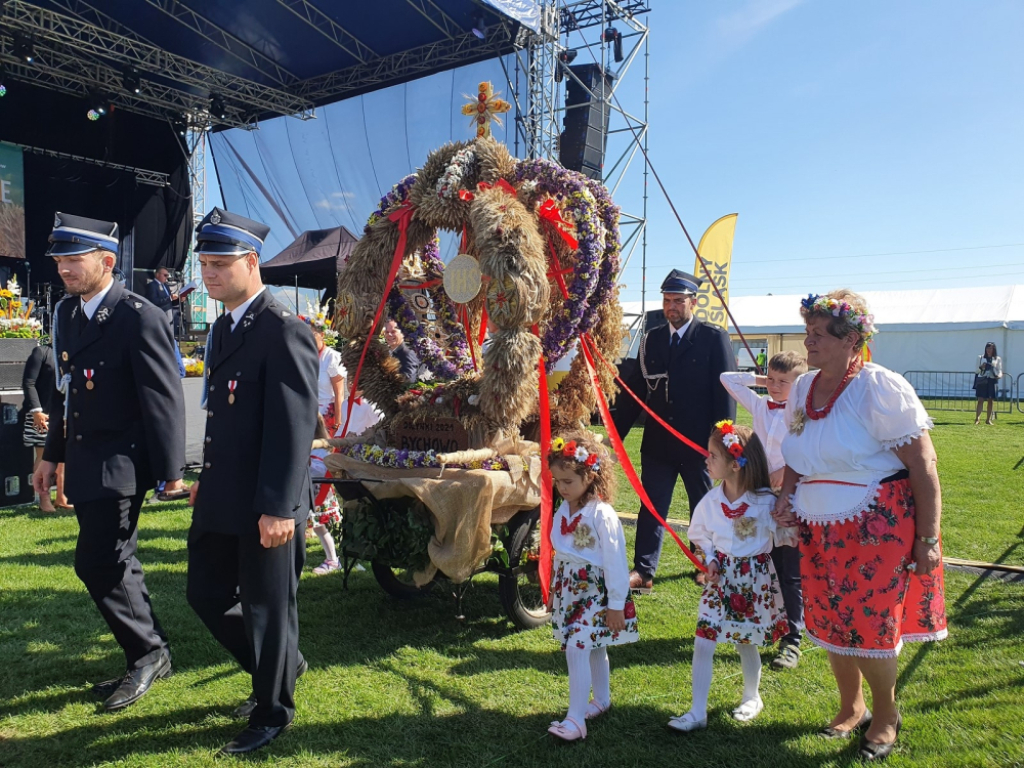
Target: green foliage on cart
[395, 532]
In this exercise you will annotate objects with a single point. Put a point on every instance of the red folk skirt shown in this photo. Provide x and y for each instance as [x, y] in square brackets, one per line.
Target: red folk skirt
[859, 597]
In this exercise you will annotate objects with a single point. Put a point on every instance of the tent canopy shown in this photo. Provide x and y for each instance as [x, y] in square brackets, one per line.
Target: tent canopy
[312, 261]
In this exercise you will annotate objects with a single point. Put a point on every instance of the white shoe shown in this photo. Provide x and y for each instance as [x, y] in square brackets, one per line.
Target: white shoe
[748, 710]
[688, 722]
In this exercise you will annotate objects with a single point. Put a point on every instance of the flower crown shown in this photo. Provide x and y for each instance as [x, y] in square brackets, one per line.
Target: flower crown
[731, 441]
[571, 450]
[318, 321]
[865, 324]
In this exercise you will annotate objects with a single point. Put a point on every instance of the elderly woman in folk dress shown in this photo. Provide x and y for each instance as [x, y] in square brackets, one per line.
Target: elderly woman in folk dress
[861, 482]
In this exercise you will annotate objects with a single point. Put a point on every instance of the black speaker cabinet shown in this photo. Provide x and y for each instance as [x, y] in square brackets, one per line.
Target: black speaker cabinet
[585, 136]
[15, 457]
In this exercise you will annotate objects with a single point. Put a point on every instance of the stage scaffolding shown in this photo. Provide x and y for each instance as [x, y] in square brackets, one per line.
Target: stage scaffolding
[575, 32]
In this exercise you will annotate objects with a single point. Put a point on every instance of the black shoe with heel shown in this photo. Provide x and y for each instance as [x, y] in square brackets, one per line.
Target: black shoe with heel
[872, 750]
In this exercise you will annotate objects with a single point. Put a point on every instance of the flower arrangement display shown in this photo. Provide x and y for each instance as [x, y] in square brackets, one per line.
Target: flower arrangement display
[193, 367]
[530, 225]
[394, 458]
[16, 321]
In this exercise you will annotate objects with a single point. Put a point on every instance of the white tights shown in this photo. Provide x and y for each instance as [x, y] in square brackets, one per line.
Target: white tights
[703, 656]
[327, 541]
[588, 669]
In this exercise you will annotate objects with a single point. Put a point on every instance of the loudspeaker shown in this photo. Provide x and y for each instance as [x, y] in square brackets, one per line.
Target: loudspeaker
[583, 142]
[16, 458]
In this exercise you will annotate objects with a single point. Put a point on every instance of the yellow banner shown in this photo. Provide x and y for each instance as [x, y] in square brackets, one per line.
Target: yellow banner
[716, 248]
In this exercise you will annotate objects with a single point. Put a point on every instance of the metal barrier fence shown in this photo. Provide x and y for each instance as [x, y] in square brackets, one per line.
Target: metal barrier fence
[1020, 382]
[954, 391]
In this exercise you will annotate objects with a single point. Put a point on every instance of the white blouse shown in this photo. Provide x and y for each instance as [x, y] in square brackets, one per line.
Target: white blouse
[598, 539]
[843, 457]
[996, 369]
[746, 536]
[769, 423]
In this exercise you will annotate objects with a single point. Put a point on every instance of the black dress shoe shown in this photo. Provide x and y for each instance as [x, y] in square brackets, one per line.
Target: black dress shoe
[137, 682]
[244, 710]
[872, 750]
[107, 687]
[252, 738]
[836, 733]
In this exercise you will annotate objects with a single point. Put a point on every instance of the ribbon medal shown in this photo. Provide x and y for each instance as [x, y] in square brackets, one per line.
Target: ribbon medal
[89, 384]
[232, 385]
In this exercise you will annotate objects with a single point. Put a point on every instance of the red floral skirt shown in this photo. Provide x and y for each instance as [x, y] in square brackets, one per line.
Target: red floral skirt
[330, 420]
[859, 597]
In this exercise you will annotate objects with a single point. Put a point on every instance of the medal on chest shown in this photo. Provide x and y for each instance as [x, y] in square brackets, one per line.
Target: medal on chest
[232, 386]
[89, 383]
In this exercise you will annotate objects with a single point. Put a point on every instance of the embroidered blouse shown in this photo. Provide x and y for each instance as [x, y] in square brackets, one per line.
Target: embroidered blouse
[594, 535]
[843, 457]
[752, 533]
[769, 423]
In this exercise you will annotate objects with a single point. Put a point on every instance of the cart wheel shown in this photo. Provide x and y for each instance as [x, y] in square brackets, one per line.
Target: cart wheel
[398, 582]
[520, 595]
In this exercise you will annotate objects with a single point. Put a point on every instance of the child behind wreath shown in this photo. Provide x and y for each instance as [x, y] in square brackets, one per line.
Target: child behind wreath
[734, 529]
[591, 608]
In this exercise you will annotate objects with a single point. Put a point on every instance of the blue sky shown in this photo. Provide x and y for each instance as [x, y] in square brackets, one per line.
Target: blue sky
[838, 130]
[875, 145]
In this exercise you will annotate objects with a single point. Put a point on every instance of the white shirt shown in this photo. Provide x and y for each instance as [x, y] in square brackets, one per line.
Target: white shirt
[769, 424]
[597, 539]
[90, 306]
[712, 531]
[330, 366]
[238, 312]
[995, 372]
[364, 416]
[877, 412]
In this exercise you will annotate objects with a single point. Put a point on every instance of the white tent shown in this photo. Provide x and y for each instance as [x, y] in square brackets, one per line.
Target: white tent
[928, 330]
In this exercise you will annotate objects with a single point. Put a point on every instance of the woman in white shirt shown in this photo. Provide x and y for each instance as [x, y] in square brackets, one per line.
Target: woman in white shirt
[989, 371]
[861, 480]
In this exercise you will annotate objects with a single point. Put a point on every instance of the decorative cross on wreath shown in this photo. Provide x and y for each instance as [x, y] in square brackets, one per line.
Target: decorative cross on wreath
[485, 108]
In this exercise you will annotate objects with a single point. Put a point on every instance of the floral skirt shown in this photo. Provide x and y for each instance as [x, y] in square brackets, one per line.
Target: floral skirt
[859, 597]
[745, 607]
[579, 607]
[326, 513]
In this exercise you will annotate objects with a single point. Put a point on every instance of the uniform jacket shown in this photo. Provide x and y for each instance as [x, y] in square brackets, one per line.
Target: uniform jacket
[682, 387]
[261, 418]
[128, 430]
[159, 297]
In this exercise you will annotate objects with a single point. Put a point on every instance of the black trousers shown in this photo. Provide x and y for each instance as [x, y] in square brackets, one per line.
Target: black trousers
[105, 561]
[659, 474]
[245, 595]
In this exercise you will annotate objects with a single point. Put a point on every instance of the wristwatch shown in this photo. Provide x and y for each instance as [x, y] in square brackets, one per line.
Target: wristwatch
[928, 539]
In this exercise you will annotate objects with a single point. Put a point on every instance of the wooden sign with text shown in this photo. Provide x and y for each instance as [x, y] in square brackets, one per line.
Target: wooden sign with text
[441, 434]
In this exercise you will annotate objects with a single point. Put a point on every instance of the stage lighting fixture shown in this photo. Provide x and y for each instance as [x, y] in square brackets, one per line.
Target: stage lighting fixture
[217, 107]
[567, 57]
[614, 37]
[24, 48]
[480, 27]
[99, 105]
[131, 80]
[180, 126]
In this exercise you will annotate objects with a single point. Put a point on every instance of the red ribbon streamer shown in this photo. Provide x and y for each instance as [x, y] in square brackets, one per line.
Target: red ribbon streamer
[464, 319]
[549, 212]
[682, 438]
[556, 271]
[620, 451]
[546, 502]
[321, 495]
[402, 215]
[500, 184]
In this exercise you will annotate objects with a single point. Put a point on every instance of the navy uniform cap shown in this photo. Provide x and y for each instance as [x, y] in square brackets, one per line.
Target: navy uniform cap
[74, 235]
[226, 233]
[681, 282]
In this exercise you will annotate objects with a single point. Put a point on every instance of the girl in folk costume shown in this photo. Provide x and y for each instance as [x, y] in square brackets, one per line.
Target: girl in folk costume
[741, 604]
[591, 608]
[326, 510]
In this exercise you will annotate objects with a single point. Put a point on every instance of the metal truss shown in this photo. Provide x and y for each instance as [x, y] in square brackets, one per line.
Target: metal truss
[50, 30]
[537, 108]
[142, 175]
[591, 13]
[408, 65]
[437, 17]
[330, 29]
[196, 142]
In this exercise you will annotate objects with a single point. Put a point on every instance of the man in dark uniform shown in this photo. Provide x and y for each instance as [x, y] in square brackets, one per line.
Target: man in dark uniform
[677, 374]
[118, 425]
[246, 547]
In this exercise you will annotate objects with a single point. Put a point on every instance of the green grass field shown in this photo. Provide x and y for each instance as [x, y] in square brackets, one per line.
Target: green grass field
[406, 684]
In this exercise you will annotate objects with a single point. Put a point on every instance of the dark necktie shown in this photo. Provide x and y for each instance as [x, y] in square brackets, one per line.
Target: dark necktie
[220, 333]
[674, 346]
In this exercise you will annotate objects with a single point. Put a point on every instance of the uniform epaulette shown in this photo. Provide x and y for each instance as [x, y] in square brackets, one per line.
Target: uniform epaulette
[133, 300]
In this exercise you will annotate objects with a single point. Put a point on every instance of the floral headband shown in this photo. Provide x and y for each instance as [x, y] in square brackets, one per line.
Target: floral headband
[731, 441]
[571, 450]
[865, 324]
[317, 320]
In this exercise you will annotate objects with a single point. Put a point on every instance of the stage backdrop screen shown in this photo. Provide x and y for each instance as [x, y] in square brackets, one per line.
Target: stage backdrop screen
[12, 202]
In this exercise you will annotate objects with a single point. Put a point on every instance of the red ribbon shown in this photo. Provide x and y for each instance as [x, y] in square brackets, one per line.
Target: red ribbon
[321, 495]
[620, 451]
[556, 270]
[500, 184]
[464, 319]
[402, 215]
[549, 212]
[546, 502]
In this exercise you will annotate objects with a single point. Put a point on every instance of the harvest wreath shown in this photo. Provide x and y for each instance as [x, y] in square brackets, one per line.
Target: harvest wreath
[546, 242]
